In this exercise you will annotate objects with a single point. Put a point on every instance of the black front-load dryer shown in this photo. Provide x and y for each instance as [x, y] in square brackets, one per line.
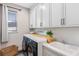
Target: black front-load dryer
[29, 47]
[24, 45]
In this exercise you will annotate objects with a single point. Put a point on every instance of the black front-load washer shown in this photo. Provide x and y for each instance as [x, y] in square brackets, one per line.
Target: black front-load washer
[24, 45]
[29, 47]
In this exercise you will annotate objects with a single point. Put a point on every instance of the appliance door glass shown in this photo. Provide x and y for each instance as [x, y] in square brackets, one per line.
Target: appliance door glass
[24, 45]
[32, 50]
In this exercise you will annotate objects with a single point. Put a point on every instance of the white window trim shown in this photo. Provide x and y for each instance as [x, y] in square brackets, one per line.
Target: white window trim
[13, 31]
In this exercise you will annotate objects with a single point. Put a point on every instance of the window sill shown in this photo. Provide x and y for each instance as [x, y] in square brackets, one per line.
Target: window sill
[12, 32]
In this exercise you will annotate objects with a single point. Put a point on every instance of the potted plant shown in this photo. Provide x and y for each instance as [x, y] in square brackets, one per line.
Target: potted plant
[49, 33]
[49, 36]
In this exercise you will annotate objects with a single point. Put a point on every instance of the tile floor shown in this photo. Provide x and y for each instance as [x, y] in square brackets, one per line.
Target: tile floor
[20, 54]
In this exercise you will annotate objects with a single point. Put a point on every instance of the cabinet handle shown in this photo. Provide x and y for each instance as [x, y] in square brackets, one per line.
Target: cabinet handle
[40, 23]
[62, 21]
[31, 25]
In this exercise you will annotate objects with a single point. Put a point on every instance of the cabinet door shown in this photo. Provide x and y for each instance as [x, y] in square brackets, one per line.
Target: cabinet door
[57, 14]
[72, 14]
[38, 16]
[42, 15]
[33, 18]
[45, 15]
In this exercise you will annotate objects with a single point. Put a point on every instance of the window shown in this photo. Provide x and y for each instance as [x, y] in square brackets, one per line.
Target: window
[12, 26]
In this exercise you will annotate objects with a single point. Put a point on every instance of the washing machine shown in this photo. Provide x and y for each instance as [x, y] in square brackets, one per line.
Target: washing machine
[29, 47]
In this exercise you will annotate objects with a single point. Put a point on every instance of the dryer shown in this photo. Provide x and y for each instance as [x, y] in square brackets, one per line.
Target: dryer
[29, 47]
[32, 45]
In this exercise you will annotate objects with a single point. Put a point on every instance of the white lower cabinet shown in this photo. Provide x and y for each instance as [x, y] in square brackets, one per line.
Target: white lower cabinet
[48, 52]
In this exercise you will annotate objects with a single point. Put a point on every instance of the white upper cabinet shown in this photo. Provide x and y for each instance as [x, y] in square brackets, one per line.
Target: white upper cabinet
[57, 16]
[38, 17]
[42, 16]
[72, 14]
[33, 18]
[45, 15]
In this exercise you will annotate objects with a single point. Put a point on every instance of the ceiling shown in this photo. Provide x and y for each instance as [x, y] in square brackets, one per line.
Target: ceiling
[26, 5]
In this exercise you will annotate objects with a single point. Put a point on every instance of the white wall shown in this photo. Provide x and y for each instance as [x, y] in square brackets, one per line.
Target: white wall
[68, 35]
[22, 28]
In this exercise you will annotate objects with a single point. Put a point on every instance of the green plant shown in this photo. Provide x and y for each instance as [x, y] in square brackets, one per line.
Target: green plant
[49, 33]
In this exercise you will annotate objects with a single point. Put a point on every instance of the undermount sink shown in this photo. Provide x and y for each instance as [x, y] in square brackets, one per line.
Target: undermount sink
[64, 46]
[65, 49]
